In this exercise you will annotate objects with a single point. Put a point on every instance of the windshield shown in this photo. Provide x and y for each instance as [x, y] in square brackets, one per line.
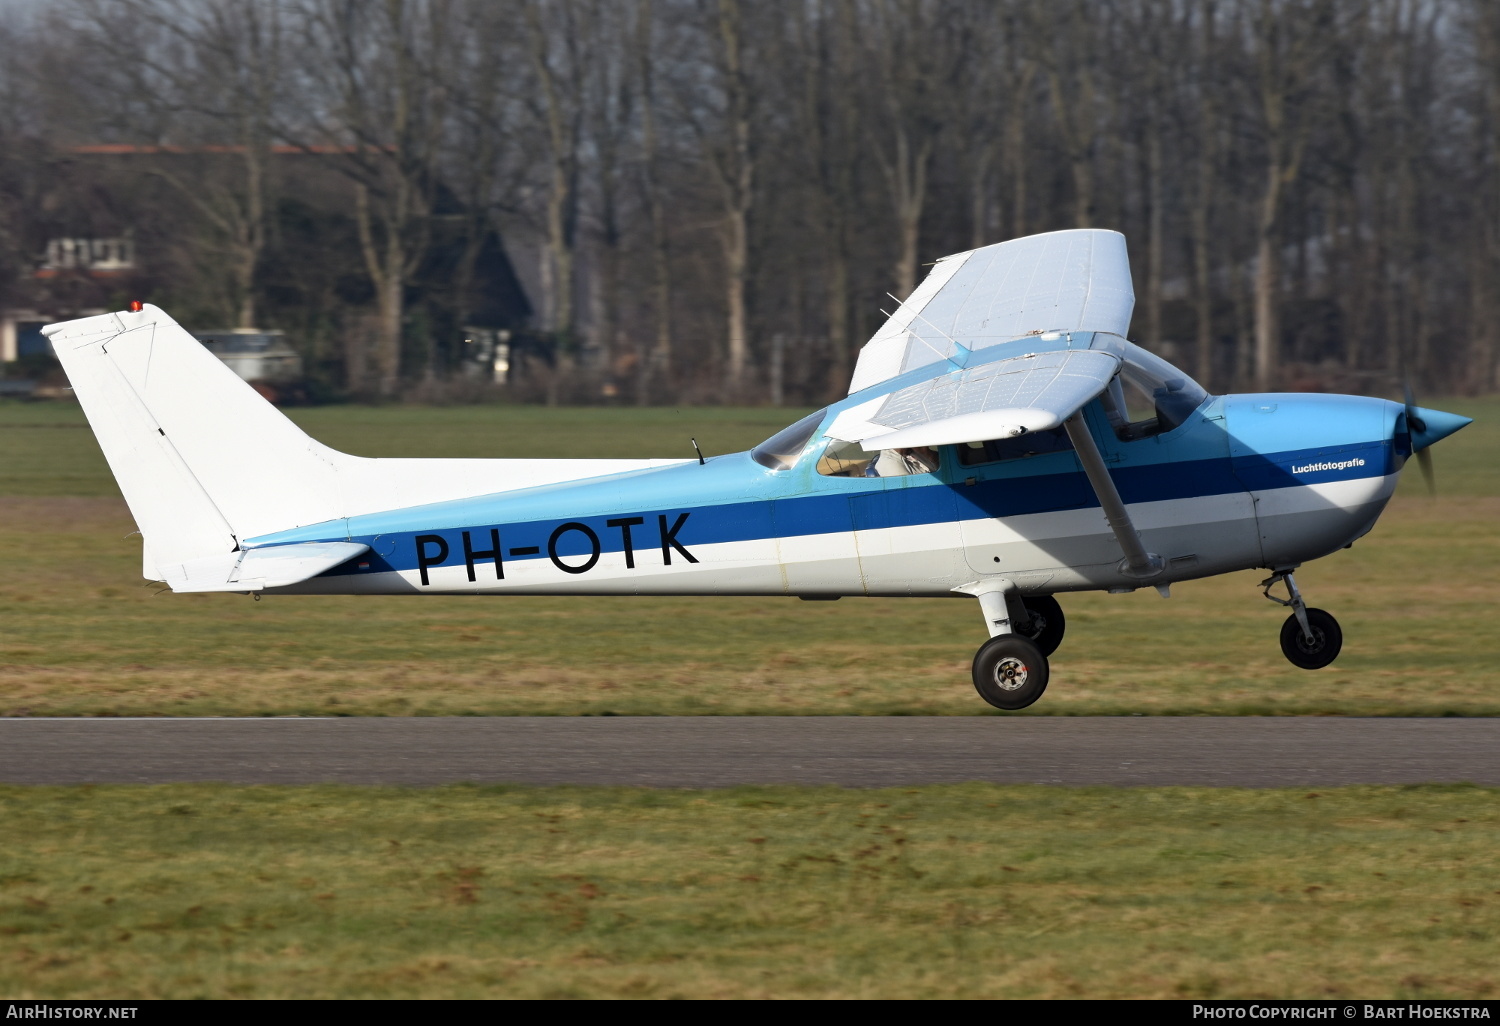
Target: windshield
[1149, 396]
[780, 451]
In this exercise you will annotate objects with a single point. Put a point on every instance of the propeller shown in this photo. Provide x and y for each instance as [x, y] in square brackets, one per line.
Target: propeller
[1415, 425]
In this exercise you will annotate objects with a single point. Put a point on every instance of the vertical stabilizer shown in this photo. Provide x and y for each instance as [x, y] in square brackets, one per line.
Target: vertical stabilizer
[206, 463]
[203, 461]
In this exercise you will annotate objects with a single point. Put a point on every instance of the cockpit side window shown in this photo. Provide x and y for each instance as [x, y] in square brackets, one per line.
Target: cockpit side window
[1149, 396]
[847, 459]
[1033, 443]
[780, 451]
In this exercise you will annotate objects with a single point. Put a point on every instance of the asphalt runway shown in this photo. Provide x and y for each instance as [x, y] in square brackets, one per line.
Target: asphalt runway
[707, 751]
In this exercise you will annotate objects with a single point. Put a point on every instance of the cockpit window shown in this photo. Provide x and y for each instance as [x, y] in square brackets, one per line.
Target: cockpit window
[780, 451]
[1149, 396]
[1033, 443]
[844, 459]
[848, 459]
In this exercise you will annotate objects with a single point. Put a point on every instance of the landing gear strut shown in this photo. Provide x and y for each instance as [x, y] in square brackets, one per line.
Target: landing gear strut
[1310, 638]
[1010, 670]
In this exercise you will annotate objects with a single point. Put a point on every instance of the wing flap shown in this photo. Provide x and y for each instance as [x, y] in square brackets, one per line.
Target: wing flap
[1003, 399]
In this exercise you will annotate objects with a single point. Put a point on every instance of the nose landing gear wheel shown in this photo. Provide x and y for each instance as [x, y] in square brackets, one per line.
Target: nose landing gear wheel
[1047, 622]
[1010, 672]
[1323, 648]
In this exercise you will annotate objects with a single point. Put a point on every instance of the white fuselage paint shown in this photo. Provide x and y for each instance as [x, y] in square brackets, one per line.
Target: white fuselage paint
[1069, 550]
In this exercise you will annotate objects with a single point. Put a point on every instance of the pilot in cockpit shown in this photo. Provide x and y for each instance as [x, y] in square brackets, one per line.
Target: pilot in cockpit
[848, 459]
[900, 462]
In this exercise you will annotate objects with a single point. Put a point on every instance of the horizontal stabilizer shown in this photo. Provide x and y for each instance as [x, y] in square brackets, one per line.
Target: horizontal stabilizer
[1002, 399]
[270, 566]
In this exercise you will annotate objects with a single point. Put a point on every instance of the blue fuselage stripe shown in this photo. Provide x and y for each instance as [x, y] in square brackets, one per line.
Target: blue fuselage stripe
[663, 535]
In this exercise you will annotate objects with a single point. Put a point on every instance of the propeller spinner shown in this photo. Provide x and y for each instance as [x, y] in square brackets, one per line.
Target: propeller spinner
[1423, 428]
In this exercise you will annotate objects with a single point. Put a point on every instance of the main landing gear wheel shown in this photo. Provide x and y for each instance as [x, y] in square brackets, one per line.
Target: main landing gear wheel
[1047, 622]
[1310, 638]
[1318, 651]
[1010, 672]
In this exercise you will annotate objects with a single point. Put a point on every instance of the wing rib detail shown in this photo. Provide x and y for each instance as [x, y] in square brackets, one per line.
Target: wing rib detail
[1076, 280]
[1002, 399]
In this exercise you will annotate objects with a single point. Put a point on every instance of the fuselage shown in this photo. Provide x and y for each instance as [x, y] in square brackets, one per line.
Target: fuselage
[1240, 481]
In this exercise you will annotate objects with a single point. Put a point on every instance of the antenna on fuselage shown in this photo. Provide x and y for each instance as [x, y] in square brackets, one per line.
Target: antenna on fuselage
[701, 460]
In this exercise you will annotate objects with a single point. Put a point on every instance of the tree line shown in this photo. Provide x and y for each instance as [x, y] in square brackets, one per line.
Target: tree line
[717, 200]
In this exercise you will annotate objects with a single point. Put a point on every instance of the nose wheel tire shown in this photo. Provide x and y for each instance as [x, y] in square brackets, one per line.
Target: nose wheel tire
[1010, 672]
[1323, 648]
[1047, 622]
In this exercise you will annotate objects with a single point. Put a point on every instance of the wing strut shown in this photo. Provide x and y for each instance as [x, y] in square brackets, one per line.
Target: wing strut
[1138, 562]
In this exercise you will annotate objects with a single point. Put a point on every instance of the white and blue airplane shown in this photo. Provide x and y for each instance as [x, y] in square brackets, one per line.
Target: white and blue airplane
[1001, 441]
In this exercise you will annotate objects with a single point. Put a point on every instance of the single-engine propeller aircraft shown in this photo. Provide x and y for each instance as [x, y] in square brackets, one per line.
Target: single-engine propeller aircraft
[1001, 440]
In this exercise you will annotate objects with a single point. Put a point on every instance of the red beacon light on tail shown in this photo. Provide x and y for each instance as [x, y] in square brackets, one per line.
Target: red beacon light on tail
[135, 306]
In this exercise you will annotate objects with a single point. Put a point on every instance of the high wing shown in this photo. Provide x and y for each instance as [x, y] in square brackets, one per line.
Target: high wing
[1002, 399]
[1023, 295]
[1076, 280]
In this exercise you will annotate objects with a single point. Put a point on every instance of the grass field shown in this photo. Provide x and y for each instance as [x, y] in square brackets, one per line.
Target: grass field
[80, 634]
[959, 891]
[965, 891]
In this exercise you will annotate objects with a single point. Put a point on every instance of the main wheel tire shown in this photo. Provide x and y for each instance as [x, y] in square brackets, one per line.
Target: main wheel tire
[1047, 622]
[1327, 640]
[1010, 672]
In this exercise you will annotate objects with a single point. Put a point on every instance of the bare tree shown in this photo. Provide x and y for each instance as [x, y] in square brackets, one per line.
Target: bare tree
[827, 126]
[376, 101]
[483, 163]
[723, 125]
[1070, 55]
[18, 108]
[1207, 125]
[1312, 179]
[554, 45]
[1482, 22]
[1013, 70]
[1410, 27]
[1152, 30]
[656, 366]
[1289, 40]
[612, 115]
[210, 73]
[909, 105]
[980, 121]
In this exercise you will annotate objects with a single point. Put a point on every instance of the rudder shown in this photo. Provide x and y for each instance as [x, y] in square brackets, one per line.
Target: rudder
[201, 458]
